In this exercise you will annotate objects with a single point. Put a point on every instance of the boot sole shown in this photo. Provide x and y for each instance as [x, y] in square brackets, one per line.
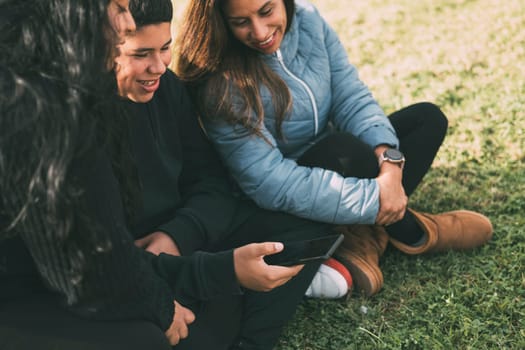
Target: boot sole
[368, 278]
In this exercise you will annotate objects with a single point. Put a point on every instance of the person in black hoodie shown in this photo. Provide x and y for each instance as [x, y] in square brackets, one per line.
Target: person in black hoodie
[164, 131]
[73, 165]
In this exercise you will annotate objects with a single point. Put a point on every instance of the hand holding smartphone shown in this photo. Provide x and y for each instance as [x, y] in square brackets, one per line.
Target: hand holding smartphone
[301, 252]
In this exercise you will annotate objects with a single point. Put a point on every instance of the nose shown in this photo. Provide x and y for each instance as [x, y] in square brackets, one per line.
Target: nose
[126, 23]
[157, 65]
[259, 31]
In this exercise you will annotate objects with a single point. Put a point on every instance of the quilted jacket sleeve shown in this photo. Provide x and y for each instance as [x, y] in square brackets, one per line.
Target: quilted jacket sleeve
[278, 183]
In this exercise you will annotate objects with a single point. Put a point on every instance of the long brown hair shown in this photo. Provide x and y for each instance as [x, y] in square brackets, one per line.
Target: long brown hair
[218, 67]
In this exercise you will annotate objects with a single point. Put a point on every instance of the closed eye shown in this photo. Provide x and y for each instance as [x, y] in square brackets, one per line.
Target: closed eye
[266, 12]
[140, 54]
[238, 22]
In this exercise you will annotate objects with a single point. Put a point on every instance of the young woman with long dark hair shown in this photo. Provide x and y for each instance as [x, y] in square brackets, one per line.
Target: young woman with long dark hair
[301, 133]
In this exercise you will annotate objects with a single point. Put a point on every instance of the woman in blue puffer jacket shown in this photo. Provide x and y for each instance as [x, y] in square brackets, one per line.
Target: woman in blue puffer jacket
[301, 133]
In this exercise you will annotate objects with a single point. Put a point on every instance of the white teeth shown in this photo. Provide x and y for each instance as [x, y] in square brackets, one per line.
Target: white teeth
[267, 41]
[148, 82]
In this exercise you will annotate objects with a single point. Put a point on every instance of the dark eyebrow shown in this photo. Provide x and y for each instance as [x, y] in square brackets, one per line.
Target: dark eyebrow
[148, 49]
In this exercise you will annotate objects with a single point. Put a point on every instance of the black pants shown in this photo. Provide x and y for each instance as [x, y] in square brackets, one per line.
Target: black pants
[420, 128]
[251, 321]
[256, 319]
[37, 322]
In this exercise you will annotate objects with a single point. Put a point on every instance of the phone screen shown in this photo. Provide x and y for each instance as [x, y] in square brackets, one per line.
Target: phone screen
[300, 252]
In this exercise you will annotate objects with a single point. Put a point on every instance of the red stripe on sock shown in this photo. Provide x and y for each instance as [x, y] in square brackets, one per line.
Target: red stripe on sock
[336, 265]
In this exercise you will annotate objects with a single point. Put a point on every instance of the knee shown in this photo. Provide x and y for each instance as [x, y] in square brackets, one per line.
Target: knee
[361, 162]
[434, 116]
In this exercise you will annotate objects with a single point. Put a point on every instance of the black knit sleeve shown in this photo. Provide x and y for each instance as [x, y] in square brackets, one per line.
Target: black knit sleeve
[107, 277]
[118, 281]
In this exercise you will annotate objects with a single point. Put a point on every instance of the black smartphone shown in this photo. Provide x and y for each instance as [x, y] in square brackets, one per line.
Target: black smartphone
[300, 252]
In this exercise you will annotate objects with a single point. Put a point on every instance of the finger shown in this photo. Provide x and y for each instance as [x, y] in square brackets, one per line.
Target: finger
[282, 281]
[141, 242]
[381, 220]
[395, 218]
[174, 339]
[399, 215]
[183, 332]
[153, 249]
[282, 272]
[382, 217]
[189, 316]
[389, 220]
[296, 269]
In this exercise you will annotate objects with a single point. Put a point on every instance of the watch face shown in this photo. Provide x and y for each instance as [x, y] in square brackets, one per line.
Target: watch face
[394, 154]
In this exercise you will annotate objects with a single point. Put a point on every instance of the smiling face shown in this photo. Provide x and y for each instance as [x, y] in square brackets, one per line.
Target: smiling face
[144, 57]
[259, 24]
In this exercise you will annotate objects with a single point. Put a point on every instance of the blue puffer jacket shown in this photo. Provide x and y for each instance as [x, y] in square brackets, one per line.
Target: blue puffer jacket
[326, 92]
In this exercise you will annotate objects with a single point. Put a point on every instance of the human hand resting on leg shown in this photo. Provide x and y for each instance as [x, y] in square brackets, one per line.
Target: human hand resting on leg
[158, 242]
[179, 327]
[253, 272]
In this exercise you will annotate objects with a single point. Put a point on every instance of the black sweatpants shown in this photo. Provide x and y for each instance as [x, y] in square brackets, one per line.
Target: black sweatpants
[253, 320]
[420, 128]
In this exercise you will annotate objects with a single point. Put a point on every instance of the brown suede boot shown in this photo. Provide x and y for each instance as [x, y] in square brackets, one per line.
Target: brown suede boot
[453, 230]
[360, 252]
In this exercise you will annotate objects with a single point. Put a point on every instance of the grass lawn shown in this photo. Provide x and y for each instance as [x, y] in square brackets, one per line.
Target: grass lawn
[467, 56]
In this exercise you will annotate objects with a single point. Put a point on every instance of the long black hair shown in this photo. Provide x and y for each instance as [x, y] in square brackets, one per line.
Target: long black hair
[57, 103]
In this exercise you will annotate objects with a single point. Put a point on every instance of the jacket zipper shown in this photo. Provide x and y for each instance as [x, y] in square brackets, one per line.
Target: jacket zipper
[304, 85]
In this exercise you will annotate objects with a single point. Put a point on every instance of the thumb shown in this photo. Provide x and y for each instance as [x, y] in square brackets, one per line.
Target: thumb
[268, 248]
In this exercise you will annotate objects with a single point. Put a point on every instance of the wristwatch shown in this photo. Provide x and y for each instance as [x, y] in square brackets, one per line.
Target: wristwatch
[392, 155]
